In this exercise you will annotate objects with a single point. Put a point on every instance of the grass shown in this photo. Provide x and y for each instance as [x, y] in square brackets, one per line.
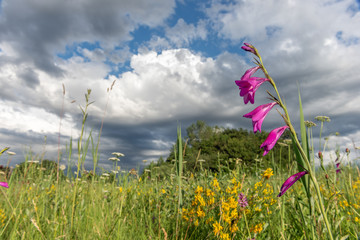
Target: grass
[37, 207]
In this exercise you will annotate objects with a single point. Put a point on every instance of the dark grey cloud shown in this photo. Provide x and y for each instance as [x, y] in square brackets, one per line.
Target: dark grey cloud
[37, 30]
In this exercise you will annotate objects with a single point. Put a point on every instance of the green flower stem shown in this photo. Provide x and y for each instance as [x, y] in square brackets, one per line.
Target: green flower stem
[247, 227]
[303, 154]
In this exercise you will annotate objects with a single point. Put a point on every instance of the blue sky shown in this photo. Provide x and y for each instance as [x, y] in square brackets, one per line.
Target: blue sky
[173, 62]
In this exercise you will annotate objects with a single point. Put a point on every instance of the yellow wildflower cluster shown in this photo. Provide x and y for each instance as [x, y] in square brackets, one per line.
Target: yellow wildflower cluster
[226, 208]
[267, 173]
[257, 228]
[2, 217]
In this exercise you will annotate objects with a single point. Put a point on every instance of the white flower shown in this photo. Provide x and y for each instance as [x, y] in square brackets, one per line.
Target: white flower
[118, 154]
[114, 159]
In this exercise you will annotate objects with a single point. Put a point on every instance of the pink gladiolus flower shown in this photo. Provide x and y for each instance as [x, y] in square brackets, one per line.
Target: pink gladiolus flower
[4, 184]
[272, 138]
[248, 47]
[248, 85]
[258, 115]
[290, 181]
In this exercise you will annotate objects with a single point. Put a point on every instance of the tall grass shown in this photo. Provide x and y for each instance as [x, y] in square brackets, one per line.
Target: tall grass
[147, 208]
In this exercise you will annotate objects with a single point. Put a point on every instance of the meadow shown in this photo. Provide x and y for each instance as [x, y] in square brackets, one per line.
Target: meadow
[223, 205]
[305, 200]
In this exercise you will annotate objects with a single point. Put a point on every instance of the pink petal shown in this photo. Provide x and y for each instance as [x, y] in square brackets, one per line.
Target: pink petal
[290, 181]
[258, 115]
[272, 138]
[4, 184]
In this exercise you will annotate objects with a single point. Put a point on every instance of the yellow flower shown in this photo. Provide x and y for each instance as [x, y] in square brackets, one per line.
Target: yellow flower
[196, 223]
[224, 236]
[258, 228]
[211, 201]
[209, 220]
[234, 214]
[226, 217]
[200, 200]
[2, 217]
[163, 191]
[199, 190]
[234, 228]
[217, 228]
[257, 209]
[200, 213]
[225, 206]
[267, 173]
[215, 184]
[233, 181]
[209, 193]
[257, 185]
[232, 202]
[120, 189]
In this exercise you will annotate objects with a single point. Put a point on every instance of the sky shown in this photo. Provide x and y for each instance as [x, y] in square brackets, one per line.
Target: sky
[173, 62]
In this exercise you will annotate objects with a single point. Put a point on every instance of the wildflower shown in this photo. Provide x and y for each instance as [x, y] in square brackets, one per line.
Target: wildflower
[4, 184]
[199, 190]
[338, 170]
[114, 159]
[217, 228]
[257, 185]
[272, 138]
[215, 184]
[268, 173]
[118, 154]
[310, 124]
[200, 212]
[258, 115]
[232, 202]
[248, 47]
[209, 193]
[248, 85]
[290, 181]
[323, 118]
[258, 228]
[224, 236]
[234, 228]
[242, 200]
[196, 223]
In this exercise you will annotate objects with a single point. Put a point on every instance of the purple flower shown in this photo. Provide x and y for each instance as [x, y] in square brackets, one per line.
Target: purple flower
[4, 184]
[290, 181]
[258, 115]
[242, 200]
[248, 47]
[338, 170]
[248, 85]
[272, 138]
